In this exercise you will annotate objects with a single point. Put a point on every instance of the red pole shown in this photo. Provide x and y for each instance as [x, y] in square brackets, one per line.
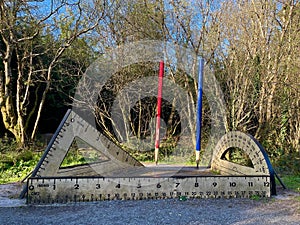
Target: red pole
[159, 99]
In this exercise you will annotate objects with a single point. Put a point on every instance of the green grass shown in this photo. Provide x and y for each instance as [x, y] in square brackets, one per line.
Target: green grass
[255, 197]
[15, 162]
[291, 182]
[15, 166]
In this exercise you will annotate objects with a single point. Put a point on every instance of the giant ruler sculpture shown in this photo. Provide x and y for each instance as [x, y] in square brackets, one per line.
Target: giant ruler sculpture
[120, 176]
[108, 172]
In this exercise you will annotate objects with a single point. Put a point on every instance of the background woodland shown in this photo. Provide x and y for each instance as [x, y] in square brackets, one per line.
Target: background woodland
[252, 46]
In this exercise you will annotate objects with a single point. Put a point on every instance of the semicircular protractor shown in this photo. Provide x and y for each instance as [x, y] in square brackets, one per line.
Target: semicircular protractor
[238, 153]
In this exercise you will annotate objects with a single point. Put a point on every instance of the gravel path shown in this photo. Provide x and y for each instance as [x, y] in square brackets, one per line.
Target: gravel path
[282, 209]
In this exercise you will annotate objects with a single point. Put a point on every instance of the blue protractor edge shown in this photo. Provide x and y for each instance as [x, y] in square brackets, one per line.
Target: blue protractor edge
[270, 167]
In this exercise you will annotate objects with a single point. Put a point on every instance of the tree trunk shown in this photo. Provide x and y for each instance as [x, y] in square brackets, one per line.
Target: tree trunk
[8, 112]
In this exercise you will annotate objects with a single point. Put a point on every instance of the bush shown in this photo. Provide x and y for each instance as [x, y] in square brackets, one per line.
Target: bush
[16, 163]
[287, 164]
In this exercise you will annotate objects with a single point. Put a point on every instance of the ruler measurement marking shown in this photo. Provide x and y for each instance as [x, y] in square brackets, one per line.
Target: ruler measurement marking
[193, 187]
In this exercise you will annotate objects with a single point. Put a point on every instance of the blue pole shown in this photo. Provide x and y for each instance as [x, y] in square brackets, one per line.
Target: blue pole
[199, 111]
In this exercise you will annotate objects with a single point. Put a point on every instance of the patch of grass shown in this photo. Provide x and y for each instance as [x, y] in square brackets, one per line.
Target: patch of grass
[255, 197]
[16, 163]
[17, 170]
[291, 182]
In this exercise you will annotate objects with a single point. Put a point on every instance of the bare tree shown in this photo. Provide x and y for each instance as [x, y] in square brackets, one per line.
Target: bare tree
[34, 40]
[258, 54]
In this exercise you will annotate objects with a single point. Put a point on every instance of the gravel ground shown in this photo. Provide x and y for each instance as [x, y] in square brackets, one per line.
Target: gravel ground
[281, 209]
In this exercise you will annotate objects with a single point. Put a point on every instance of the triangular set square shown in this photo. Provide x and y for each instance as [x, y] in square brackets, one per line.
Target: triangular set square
[78, 149]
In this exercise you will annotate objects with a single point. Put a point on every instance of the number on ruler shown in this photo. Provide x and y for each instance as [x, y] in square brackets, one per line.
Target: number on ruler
[232, 184]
